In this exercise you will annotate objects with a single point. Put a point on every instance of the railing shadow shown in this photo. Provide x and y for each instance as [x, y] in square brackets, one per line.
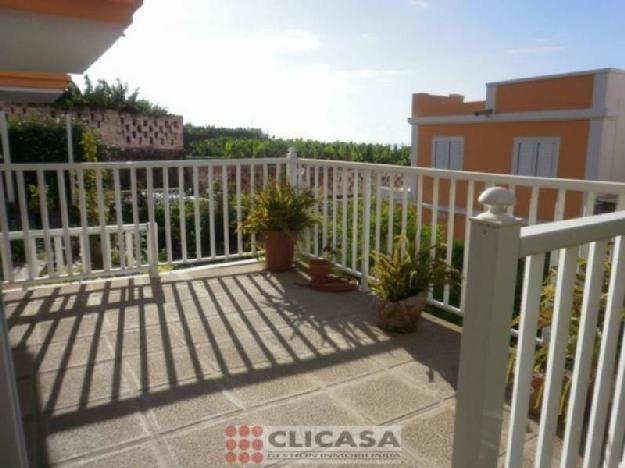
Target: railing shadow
[257, 327]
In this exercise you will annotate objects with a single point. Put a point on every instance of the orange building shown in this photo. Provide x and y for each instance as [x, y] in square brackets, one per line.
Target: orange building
[567, 126]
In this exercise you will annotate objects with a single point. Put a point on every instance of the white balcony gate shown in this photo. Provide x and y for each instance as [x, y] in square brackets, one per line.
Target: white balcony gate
[497, 244]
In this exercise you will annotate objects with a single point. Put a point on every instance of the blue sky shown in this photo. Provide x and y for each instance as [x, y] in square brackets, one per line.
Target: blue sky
[346, 69]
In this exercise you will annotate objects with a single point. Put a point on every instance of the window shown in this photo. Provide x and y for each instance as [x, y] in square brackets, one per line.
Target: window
[447, 153]
[536, 157]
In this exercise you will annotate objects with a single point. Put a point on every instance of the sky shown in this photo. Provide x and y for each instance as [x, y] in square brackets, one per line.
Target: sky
[346, 69]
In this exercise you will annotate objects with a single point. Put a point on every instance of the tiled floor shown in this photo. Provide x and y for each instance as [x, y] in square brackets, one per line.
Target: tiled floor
[133, 373]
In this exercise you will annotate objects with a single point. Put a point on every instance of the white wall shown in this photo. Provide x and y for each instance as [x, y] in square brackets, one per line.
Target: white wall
[612, 159]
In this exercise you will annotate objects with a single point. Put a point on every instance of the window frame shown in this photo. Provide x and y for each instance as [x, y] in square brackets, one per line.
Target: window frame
[439, 138]
[536, 139]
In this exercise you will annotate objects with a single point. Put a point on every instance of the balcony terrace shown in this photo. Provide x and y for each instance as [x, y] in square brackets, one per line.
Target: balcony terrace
[148, 370]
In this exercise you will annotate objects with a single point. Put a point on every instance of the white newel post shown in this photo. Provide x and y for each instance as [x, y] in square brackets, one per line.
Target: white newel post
[291, 167]
[489, 300]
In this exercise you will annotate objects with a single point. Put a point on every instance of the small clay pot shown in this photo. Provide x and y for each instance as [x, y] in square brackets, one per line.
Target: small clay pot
[402, 316]
[319, 270]
[279, 248]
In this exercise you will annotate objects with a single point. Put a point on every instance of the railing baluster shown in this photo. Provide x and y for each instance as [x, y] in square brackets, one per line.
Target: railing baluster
[563, 304]
[196, 215]
[605, 364]
[451, 214]
[344, 173]
[265, 175]
[524, 365]
[84, 223]
[59, 255]
[182, 213]
[211, 211]
[316, 226]
[391, 212]
[65, 222]
[434, 225]
[334, 195]
[404, 214]
[28, 247]
[366, 226]
[278, 166]
[533, 211]
[324, 230]
[167, 213]
[468, 216]
[135, 215]
[225, 201]
[616, 428]
[45, 222]
[238, 208]
[378, 210]
[7, 260]
[420, 213]
[120, 221]
[584, 352]
[307, 232]
[252, 190]
[152, 233]
[512, 188]
[355, 222]
[104, 236]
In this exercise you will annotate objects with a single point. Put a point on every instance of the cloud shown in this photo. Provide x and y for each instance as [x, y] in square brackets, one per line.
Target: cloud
[420, 3]
[537, 50]
[539, 46]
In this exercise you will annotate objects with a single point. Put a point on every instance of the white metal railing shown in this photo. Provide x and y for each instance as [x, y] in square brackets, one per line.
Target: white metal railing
[497, 244]
[441, 201]
[127, 206]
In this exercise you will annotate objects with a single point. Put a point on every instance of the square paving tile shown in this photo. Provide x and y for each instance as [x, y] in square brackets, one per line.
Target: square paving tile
[205, 446]
[98, 384]
[385, 397]
[171, 367]
[269, 384]
[76, 434]
[188, 404]
[164, 336]
[60, 355]
[316, 409]
[140, 456]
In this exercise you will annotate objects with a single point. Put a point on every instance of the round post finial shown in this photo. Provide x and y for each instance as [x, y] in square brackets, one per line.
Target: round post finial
[497, 200]
[291, 153]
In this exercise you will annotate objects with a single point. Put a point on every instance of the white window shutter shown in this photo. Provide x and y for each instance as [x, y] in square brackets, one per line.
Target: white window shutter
[455, 154]
[546, 160]
[441, 154]
[526, 158]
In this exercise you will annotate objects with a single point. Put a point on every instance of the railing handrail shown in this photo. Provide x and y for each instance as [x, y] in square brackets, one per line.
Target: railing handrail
[542, 238]
[139, 164]
[517, 180]
[76, 231]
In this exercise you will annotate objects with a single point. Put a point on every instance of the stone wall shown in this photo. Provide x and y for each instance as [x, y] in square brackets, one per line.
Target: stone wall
[124, 130]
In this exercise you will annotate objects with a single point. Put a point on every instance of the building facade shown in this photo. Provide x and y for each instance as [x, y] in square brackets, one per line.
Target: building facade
[568, 126]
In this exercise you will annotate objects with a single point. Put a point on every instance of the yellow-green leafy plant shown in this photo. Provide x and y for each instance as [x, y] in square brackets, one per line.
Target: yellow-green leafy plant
[278, 207]
[405, 272]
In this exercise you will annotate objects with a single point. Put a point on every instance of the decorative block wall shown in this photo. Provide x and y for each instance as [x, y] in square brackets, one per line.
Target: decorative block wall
[124, 130]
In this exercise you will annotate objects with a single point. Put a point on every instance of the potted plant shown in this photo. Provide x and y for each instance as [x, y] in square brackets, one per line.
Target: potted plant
[277, 214]
[401, 282]
[319, 268]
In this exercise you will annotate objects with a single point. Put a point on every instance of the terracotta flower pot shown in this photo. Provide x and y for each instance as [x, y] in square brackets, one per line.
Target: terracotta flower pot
[319, 270]
[279, 247]
[402, 316]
